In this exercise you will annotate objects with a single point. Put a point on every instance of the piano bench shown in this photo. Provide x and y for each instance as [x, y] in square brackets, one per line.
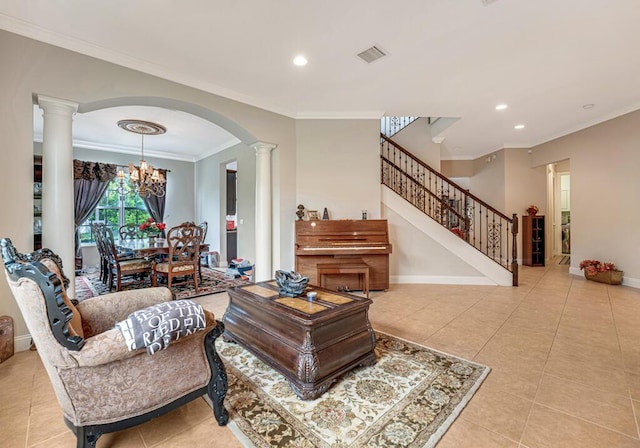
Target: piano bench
[348, 267]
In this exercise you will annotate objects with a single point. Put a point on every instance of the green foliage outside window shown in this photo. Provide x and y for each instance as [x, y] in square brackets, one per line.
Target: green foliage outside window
[115, 212]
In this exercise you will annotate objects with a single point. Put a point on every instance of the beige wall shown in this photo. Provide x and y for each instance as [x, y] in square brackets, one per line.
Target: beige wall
[488, 182]
[417, 254]
[211, 178]
[416, 138]
[605, 187]
[524, 186]
[457, 168]
[338, 167]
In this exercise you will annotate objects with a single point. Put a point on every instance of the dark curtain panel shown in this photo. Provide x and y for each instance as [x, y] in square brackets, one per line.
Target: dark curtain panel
[90, 181]
[155, 204]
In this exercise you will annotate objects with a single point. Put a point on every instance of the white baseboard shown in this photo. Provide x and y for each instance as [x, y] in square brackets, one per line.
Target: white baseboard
[22, 343]
[631, 282]
[441, 280]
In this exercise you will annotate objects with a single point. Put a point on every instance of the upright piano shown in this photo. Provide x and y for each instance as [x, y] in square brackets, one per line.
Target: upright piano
[338, 241]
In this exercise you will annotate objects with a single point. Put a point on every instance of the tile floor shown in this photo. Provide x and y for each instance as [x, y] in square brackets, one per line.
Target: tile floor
[564, 354]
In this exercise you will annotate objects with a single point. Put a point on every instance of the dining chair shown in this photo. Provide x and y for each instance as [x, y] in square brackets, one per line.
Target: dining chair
[130, 231]
[97, 229]
[184, 255]
[119, 267]
[205, 228]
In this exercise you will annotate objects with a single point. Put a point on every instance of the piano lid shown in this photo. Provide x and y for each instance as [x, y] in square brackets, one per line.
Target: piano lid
[342, 233]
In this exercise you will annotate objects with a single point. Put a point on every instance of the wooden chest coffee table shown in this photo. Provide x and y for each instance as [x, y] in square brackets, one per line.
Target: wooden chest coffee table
[309, 343]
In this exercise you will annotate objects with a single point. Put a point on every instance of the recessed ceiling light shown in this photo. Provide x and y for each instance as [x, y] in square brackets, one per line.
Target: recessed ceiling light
[588, 106]
[501, 107]
[300, 61]
[518, 126]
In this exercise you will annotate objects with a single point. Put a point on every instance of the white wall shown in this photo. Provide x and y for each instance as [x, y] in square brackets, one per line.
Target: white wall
[338, 167]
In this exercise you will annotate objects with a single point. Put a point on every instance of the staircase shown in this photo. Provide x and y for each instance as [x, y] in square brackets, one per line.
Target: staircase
[472, 220]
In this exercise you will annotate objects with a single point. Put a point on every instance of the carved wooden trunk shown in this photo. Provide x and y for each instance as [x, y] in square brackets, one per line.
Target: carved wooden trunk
[309, 343]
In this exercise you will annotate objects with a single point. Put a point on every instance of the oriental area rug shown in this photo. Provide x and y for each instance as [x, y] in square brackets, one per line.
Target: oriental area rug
[408, 399]
[213, 281]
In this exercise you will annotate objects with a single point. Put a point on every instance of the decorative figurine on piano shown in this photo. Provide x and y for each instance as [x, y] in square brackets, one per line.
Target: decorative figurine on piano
[300, 212]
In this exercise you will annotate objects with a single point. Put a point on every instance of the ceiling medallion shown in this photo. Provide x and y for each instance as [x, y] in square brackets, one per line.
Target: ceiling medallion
[142, 127]
[145, 180]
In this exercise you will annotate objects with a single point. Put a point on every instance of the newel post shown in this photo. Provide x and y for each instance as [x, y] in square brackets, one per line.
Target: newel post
[514, 255]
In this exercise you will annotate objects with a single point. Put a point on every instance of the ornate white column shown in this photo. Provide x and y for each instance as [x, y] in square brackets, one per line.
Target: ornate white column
[263, 211]
[58, 225]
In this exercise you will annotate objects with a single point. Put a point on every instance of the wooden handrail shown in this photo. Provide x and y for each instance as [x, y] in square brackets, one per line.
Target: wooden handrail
[447, 180]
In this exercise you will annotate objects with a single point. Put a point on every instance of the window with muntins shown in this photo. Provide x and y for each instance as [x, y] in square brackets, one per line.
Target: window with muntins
[115, 210]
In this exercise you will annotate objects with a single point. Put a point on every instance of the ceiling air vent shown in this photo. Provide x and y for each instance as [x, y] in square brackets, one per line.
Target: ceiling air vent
[371, 54]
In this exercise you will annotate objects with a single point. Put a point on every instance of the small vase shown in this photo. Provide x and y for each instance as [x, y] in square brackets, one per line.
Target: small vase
[152, 239]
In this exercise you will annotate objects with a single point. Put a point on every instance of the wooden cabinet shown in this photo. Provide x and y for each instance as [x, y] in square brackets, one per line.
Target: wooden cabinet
[533, 243]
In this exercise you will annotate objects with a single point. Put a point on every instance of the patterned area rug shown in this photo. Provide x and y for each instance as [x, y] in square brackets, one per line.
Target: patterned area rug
[565, 260]
[212, 282]
[408, 399]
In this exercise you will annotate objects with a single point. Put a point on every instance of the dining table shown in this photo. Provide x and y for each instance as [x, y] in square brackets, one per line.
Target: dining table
[142, 247]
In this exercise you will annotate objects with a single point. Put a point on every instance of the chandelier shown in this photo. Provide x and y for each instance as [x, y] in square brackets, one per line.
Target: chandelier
[145, 180]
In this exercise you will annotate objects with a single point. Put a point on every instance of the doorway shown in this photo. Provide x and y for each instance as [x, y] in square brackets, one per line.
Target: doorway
[562, 210]
[232, 211]
[565, 212]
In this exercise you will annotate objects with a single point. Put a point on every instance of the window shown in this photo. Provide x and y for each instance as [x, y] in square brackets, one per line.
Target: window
[115, 211]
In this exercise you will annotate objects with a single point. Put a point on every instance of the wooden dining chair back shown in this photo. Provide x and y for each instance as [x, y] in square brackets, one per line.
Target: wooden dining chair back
[120, 267]
[184, 255]
[205, 228]
[130, 231]
[98, 229]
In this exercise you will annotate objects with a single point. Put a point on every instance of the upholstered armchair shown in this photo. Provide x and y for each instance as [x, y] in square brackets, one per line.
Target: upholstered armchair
[100, 385]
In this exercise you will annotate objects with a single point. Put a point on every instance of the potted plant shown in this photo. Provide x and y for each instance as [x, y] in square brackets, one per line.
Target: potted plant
[601, 272]
[152, 229]
[532, 210]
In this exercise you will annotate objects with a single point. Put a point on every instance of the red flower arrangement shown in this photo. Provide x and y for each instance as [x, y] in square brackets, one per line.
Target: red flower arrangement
[592, 267]
[150, 226]
[532, 210]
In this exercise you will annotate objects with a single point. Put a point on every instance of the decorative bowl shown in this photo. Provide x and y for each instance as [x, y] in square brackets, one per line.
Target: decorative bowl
[291, 284]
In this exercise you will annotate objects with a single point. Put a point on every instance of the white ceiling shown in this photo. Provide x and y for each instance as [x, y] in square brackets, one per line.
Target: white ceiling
[544, 58]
